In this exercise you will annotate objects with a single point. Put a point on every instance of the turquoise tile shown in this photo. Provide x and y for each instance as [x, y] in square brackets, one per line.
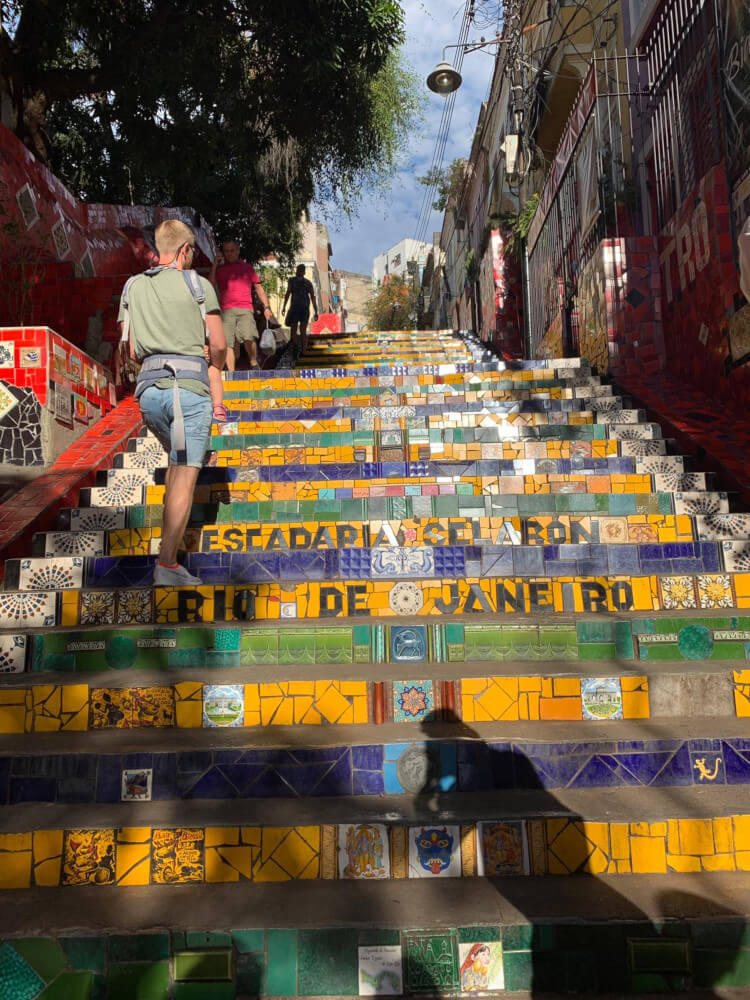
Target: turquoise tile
[249, 940]
[282, 963]
[328, 962]
[17, 978]
[139, 947]
[208, 939]
[86, 952]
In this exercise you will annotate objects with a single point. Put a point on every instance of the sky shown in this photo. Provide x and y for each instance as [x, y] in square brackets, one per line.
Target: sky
[430, 24]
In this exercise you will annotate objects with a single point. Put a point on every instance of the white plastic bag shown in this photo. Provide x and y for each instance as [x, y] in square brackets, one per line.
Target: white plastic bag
[267, 341]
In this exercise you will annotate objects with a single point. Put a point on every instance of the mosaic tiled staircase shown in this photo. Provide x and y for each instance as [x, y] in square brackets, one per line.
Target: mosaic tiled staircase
[468, 662]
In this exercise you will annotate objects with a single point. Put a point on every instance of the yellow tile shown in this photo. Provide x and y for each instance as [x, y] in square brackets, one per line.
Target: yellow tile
[74, 697]
[623, 868]
[134, 834]
[47, 873]
[719, 863]
[658, 829]
[217, 870]
[635, 705]
[361, 716]
[566, 687]
[219, 836]
[78, 723]
[189, 714]
[683, 863]
[12, 718]
[44, 724]
[133, 864]
[240, 859]
[741, 832]
[723, 837]
[640, 829]
[188, 691]
[742, 859]
[47, 844]
[15, 865]
[268, 708]
[648, 855]
[673, 836]
[284, 714]
[696, 836]
[332, 705]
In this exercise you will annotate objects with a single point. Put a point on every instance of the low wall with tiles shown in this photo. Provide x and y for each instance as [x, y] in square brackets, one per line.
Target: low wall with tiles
[50, 392]
[636, 956]
[65, 262]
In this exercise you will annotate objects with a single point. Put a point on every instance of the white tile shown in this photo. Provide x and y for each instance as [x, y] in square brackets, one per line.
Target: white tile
[56, 573]
[364, 851]
[380, 970]
[502, 848]
[78, 543]
[97, 518]
[29, 610]
[13, 653]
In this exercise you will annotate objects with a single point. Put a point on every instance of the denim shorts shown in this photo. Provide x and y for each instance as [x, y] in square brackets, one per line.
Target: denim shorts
[157, 410]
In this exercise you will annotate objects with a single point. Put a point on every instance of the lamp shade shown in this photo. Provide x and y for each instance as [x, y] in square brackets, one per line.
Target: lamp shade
[444, 79]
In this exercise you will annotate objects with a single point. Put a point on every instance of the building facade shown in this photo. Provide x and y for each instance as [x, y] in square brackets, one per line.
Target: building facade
[396, 260]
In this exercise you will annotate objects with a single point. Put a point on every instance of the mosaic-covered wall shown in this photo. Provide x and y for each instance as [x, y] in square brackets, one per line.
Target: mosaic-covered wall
[501, 293]
[50, 392]
[64, 262]
[619, 308]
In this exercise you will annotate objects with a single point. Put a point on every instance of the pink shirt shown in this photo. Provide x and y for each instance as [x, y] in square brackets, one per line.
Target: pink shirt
[235, 283]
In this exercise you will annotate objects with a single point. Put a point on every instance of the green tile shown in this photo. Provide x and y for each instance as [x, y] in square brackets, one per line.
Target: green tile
[662, 955]
[719, 934]
[597, 651]
[296, 647]
[589, 631]
[282, 963]
[139, 947]
[249, 940]
[44, 955]
[208, 939]
[328, 962]
[379, 937]
[203, 965]
[70, 986]
[519, 970]
[227, 639]
[468, 935]
[138, 981]
[624, 645]
[98, 987]
[203, 991]
[454, 632]
[430, 961]
[250, 975]
[86, 952]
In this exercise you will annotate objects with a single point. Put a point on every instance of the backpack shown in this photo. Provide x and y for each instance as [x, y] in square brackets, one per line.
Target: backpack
[191, 280]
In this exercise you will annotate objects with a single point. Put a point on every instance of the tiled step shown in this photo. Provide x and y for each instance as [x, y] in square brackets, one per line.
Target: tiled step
[493, 764]
[528, 699]
[629, 834]
[322, 534]
[602, 646]
[276, 563]
[447, 500]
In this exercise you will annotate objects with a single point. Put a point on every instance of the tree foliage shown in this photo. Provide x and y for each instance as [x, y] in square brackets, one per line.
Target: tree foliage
[393, 305]
[446, 182]
[241, 108]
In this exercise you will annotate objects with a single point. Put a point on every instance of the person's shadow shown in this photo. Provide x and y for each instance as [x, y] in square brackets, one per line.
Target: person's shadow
[576, 933]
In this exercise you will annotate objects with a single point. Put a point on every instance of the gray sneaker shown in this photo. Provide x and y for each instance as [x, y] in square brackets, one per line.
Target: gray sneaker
[178, 577]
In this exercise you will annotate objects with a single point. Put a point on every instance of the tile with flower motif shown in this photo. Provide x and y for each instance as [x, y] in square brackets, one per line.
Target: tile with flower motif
[412, 700]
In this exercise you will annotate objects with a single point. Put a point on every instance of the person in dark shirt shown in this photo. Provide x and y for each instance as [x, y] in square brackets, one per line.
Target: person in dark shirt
[301, 292]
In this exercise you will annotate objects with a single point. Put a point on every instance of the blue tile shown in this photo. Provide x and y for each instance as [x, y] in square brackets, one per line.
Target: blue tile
[212, 785]
[32, 790]
[736, 765]
[244, 777]
[368, 783]
[598, 773]
[337, 780]
[109, 779]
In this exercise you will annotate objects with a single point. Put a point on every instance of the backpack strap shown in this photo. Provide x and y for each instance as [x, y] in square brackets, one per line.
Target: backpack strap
[192, 281]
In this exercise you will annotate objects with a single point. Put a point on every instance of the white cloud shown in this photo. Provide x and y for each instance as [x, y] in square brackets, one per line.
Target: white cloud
[430, 25]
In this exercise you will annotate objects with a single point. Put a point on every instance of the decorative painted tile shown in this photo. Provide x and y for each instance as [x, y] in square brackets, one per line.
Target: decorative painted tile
[412, 700]
[74, 543]
[63, 404]
[30, 609]
[677, 592]
[389, 562]
[289, 609]
[708, 767]
[97, 518]
[7, 353]
[481, 966]
[430, 962]
[60, 573]
[88, 857]
[364, 851]
[13, 654]
[380, 972]
[736, 555]
[601, 698]
[80, 409]
[136, 785]
[60, 239]
[502, 848]
[177, 856]
[720, 527]
[405, 598]
[223, 705]
[26, 201]
[434, 852]
[135, 607]
[613, 529]
[98, 607]
[29, 357]
[408, 643]
[7, 400]
[715, 591]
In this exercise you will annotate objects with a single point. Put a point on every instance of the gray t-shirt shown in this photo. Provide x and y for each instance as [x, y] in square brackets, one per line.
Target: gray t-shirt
[166, 319]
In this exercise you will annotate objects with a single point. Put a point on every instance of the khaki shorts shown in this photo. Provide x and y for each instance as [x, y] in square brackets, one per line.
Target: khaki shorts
[239, 325]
